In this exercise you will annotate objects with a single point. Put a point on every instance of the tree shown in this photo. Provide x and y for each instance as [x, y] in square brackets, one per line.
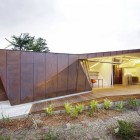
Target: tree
[26, 42]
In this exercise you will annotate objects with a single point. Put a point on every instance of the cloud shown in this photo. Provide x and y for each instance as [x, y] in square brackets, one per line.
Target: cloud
[74, 26]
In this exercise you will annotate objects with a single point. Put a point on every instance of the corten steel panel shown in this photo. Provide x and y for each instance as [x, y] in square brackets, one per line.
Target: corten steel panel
[3, 67]
[13, 85]
[72, 58]
[62, 62]
[51, 75]
[100, 54]
[51, 65]
[72, 77]
[92, 55]
[39, 76]
[81, 79]
[26, 83]
[83, 56]
[27, 77]
[13, 77]
[113, 53]
[51, 87]
[119, 52]
[107, 53]
[27, 57]
[62, 84]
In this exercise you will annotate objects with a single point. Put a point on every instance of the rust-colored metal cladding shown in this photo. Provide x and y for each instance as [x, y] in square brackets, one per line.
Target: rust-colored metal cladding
[73, 58]
[27, 77]
[3, 95]
[72, 74]
[51, 87]
[31, 76]
[39, 76]
[3, 67]
[91, 55]
[51, 74]
[72, 77]
[81, 79]
[62, 84]
[13, 77]
[107, 53]
[62, 62]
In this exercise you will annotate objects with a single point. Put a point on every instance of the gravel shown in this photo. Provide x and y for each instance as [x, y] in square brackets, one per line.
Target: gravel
[100, 129]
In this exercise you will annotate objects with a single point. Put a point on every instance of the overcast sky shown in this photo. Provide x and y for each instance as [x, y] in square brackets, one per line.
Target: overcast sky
[73, 26]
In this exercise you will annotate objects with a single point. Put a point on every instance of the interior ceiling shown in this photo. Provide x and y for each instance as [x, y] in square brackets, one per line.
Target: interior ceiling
[121, 60]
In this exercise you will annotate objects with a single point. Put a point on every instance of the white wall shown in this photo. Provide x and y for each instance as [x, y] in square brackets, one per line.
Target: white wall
[105, 71]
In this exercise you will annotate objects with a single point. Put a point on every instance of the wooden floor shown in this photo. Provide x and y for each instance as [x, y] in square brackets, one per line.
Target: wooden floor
[115, 93]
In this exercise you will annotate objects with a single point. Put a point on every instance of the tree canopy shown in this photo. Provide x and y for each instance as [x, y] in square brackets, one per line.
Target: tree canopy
[28, 43]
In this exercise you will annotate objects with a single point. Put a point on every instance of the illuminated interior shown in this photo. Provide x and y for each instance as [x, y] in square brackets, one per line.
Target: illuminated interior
[113, 70]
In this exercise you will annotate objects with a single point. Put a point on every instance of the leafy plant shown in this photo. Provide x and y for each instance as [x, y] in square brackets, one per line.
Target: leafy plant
[49, 110]
[74, 112]
[4, 138]
[79, 108]
[50, 136]
[93, 105]
[125, 129]
[67, 107]
[5, 118]
[133, 102]
[120, 106]
[107, 103]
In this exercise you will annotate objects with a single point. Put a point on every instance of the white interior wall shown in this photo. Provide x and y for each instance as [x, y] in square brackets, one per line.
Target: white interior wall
[104, 72]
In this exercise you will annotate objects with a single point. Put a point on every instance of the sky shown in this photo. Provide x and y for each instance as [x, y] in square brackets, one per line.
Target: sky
[73, 26]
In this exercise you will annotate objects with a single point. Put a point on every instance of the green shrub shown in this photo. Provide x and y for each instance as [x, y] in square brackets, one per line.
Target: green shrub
[4, 138]
[73, 112]
[120, 106]
[107, 104]
[79, 108]
[50, 136]
[125, 130]
[49, 110]
[133, 102]
[93, 105]
[5, 118]
[67, 107]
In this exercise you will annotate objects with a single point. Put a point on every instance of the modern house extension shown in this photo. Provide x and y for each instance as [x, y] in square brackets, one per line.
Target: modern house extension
[31, 76]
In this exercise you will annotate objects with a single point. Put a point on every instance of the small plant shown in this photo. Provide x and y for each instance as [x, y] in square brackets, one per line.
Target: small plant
[93, 105]
[74, 112]
[107, 104]
[125, 130]
[133, 102]
[49, 110]
[5, 118]
[67, 107]
[79, 108]
[50, 136]
[120, 106]
[4, 138]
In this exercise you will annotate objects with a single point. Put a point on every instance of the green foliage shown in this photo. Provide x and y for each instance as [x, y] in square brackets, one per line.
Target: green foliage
[49, 110]
[67, 107]
[120, 106]
[50, 136]
[74, 112]
[93, 105]
[126, 130]
[133, 102]
[5, 118]
[79, 108]
[26, 42]
[4, 138]
[107, 104]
